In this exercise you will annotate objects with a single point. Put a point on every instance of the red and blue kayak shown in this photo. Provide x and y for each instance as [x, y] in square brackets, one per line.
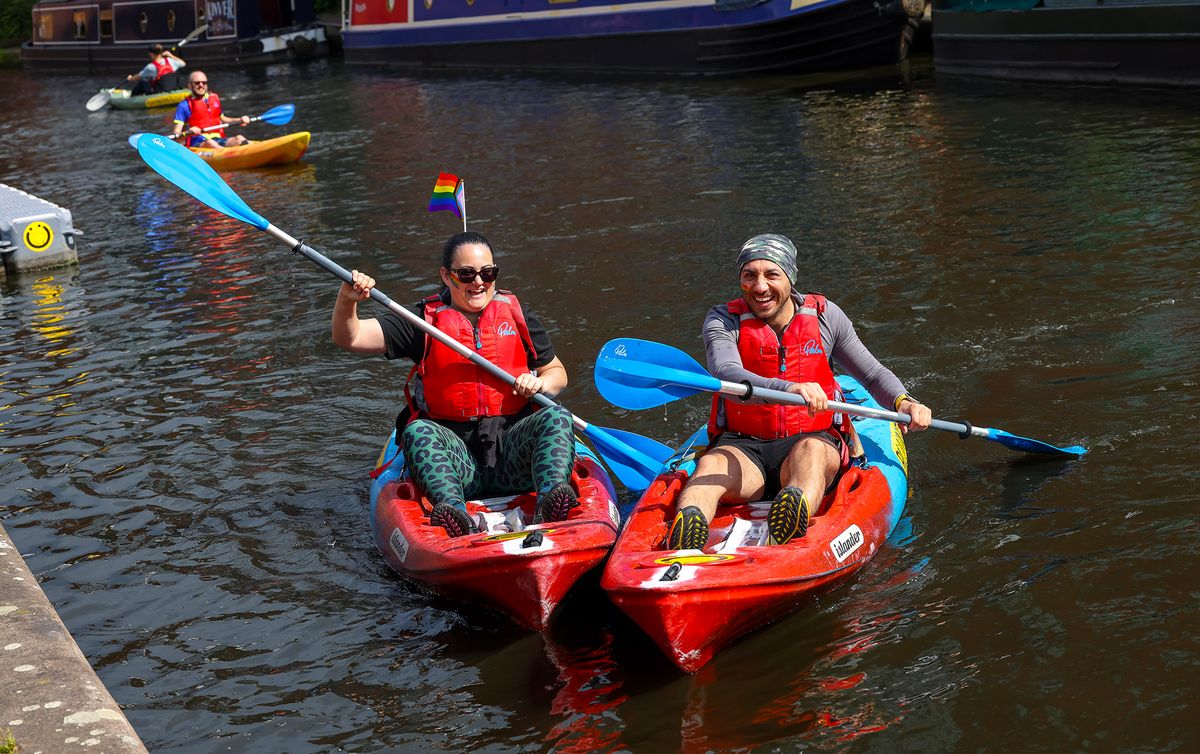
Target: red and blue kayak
[694, 602]
[521, 569]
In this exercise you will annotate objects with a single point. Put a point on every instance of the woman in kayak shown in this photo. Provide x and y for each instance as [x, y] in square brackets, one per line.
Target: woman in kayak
[465, 433]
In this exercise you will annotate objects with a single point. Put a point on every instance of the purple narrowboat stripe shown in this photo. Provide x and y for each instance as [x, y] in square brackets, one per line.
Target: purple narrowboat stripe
[559, 23]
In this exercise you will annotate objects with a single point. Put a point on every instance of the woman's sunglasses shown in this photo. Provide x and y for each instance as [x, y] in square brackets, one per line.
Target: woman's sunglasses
[468, 274]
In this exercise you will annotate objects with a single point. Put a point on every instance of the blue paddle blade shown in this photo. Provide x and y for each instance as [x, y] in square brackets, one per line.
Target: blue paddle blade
[277, 116]
[637, 374]
[133, 140]
[1032, 446]
[635, 460]
[185, 169]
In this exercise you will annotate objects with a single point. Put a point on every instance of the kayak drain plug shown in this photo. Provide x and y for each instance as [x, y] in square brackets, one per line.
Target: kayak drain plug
[533, 539]
[672, 572]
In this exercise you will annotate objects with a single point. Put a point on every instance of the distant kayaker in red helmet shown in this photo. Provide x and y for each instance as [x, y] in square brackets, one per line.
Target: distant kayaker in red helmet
[158, 72]
[465, 433]
[202, 109]
[774, 337]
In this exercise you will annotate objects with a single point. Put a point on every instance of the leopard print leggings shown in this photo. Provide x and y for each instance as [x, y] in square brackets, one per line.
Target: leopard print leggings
[542, 443]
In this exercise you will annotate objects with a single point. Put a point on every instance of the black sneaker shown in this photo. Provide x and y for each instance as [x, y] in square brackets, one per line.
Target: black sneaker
[453, 519]
[788, 518]
[689, 530]
[555, 503]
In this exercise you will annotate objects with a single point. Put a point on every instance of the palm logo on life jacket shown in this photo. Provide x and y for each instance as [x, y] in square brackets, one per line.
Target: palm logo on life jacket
[445, 385]
[797, 356]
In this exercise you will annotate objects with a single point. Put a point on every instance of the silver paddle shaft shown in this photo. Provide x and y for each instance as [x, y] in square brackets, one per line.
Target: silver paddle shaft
[419, 322]
[740, 390]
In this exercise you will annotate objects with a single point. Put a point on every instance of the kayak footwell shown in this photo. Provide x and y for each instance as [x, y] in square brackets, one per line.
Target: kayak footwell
[521, 569]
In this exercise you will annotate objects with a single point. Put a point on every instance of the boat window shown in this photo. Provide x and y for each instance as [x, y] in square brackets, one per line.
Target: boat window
[45, 27]
[79, 21]
[106, 25]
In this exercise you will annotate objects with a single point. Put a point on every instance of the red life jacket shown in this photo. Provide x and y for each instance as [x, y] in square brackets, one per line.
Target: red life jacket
[799, 356]
[206, 111]
[162, 67]
[455, 389]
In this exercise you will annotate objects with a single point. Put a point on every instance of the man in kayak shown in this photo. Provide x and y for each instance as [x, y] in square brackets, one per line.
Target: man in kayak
[465, 433]
[775, 337]
[202, 109]
[160, 70]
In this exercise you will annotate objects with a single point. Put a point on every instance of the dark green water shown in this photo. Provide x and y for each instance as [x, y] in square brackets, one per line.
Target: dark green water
[183, 453]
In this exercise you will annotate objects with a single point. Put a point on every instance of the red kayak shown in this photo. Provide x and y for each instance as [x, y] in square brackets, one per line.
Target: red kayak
[694, 602]
[521, 569]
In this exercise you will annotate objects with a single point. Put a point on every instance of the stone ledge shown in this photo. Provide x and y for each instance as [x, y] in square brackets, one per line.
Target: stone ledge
[52, 700]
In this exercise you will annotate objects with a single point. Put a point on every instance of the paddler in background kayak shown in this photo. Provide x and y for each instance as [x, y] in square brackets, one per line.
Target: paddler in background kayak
[201, 109]
[774, 337]
[464, 433]
[162, 67]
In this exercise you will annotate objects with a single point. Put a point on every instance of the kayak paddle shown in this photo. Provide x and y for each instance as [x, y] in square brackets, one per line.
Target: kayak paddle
[276, 116]
[103, 97]
[637, 374]
[635, 460]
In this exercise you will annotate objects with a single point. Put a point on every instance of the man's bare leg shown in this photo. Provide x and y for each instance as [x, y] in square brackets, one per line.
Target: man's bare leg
[725, 474]
[807, 471]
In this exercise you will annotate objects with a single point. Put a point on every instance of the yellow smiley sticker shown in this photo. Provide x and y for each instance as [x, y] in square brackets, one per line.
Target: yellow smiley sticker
[38, 236]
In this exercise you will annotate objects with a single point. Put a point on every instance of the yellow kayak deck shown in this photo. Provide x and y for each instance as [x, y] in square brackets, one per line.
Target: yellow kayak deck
[277, 151]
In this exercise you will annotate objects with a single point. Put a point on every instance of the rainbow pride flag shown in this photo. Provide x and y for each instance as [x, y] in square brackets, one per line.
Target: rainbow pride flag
[445, 195]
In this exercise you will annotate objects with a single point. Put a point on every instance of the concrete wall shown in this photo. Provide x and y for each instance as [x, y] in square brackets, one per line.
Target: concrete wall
[50, 698]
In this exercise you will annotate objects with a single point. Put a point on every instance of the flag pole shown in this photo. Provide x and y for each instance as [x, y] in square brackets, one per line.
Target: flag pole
[462, 185]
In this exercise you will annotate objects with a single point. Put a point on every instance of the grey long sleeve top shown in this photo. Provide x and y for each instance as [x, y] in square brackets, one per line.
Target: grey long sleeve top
[838, 338]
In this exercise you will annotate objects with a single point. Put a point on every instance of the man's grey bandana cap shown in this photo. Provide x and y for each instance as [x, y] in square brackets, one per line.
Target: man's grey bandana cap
[773, 248]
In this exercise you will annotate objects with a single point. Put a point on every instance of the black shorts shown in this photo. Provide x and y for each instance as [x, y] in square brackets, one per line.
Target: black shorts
[769, 455]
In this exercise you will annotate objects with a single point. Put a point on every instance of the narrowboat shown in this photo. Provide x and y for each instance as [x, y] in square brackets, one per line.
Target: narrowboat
[107, 35]
[652, 37]
[1140, 42]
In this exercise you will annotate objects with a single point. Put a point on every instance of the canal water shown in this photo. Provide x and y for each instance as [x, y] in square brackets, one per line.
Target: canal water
[183, 452]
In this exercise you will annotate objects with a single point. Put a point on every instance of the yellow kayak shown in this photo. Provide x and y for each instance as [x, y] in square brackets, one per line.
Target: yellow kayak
[276, 151]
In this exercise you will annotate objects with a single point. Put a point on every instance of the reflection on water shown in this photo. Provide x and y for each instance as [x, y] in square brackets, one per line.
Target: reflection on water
[44, 383]
[182, 450]
[49, 321]
[587, 700]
